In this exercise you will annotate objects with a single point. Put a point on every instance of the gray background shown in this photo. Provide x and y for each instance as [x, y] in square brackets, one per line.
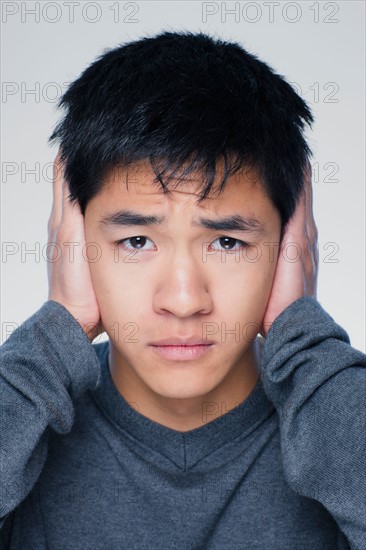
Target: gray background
[318, 46]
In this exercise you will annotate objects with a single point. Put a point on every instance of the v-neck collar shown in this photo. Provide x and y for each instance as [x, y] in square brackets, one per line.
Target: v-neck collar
[185, 449]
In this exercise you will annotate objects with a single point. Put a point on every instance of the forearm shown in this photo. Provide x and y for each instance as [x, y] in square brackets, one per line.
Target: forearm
[317, 382]
[46, 364]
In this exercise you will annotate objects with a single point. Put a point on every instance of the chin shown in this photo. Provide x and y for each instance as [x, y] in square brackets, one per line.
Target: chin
[183, 388]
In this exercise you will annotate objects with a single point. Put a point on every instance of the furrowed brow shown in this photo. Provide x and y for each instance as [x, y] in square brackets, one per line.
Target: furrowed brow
[232, 223]
[125, 218]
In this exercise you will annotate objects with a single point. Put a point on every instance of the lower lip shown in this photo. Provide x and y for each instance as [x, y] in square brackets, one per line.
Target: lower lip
[182, 353]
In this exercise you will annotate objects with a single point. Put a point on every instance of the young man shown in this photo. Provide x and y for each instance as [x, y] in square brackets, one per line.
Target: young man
[182, 226]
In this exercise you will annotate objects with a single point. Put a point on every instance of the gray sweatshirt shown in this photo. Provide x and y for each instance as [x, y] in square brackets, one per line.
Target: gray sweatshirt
[83, 469]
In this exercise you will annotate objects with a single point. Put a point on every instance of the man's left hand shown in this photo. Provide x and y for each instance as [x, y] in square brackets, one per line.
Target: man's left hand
[297, 264]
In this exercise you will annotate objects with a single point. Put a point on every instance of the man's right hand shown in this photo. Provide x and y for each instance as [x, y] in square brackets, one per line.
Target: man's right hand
[69, 278]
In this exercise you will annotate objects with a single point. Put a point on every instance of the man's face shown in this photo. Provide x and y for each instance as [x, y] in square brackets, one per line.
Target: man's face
[180, 279]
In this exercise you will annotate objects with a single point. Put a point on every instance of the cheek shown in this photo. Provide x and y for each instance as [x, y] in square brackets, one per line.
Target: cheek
[118, 292]
[242, 295]
[262, 280]
[255, 269]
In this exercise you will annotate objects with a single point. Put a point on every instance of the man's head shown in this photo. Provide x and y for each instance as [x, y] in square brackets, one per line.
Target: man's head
[191, 151]
[171, 266]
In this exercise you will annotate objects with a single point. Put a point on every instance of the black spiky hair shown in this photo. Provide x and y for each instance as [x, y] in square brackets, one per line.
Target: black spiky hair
[184, 100]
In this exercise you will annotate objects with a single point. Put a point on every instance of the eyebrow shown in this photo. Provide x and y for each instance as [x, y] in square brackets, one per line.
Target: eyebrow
[236, 222]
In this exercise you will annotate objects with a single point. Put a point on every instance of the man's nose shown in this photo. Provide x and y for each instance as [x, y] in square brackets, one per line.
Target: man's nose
[184, 288]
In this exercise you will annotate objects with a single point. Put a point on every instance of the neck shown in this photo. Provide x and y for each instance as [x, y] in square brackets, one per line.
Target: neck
[184, 414]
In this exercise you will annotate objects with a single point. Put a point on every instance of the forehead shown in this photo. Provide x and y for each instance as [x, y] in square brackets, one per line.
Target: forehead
[138, 182]
[134, 190]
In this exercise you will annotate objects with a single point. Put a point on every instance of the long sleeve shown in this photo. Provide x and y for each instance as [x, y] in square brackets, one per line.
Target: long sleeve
[46, 363]
[317, 383]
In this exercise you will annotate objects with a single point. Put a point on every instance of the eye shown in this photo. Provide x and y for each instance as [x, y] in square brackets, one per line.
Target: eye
[136, 243]
[229, 243]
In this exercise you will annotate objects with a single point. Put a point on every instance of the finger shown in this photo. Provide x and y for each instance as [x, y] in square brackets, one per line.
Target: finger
[308, 193]
[311, 231]
[311, 228]
[56, 212]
